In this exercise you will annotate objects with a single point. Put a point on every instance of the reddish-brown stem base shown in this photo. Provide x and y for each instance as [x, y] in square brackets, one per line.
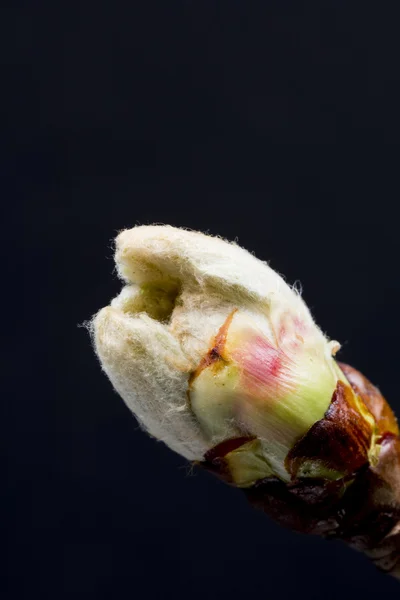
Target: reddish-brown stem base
[362, 508]
[366, 515]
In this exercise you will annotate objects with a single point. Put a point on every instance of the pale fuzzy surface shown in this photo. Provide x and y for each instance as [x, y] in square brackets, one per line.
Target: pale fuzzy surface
[149, 362]
[149, 370]
[164, 253]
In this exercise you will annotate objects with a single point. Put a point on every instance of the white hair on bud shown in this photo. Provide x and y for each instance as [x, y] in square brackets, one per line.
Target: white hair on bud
[161, 253]
[148, 369]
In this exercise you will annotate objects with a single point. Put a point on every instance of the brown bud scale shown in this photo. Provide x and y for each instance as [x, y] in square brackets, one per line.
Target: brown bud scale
[340, 441]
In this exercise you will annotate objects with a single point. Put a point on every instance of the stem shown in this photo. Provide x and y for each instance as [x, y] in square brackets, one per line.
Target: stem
[364, 512]
[361, 509]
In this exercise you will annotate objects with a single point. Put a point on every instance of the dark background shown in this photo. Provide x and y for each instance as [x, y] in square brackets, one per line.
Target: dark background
[275, 123]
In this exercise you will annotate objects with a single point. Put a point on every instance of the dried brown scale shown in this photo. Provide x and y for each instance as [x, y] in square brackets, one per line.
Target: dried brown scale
[375, 402]
[214, 458]
[214, 354]
[340, 440]
[361, 509]
[218, 452]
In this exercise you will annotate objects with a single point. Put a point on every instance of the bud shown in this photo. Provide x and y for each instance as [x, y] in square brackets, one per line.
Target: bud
[219, 358]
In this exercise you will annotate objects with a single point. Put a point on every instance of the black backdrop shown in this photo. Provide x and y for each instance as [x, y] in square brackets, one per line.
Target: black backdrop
[274, 123]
